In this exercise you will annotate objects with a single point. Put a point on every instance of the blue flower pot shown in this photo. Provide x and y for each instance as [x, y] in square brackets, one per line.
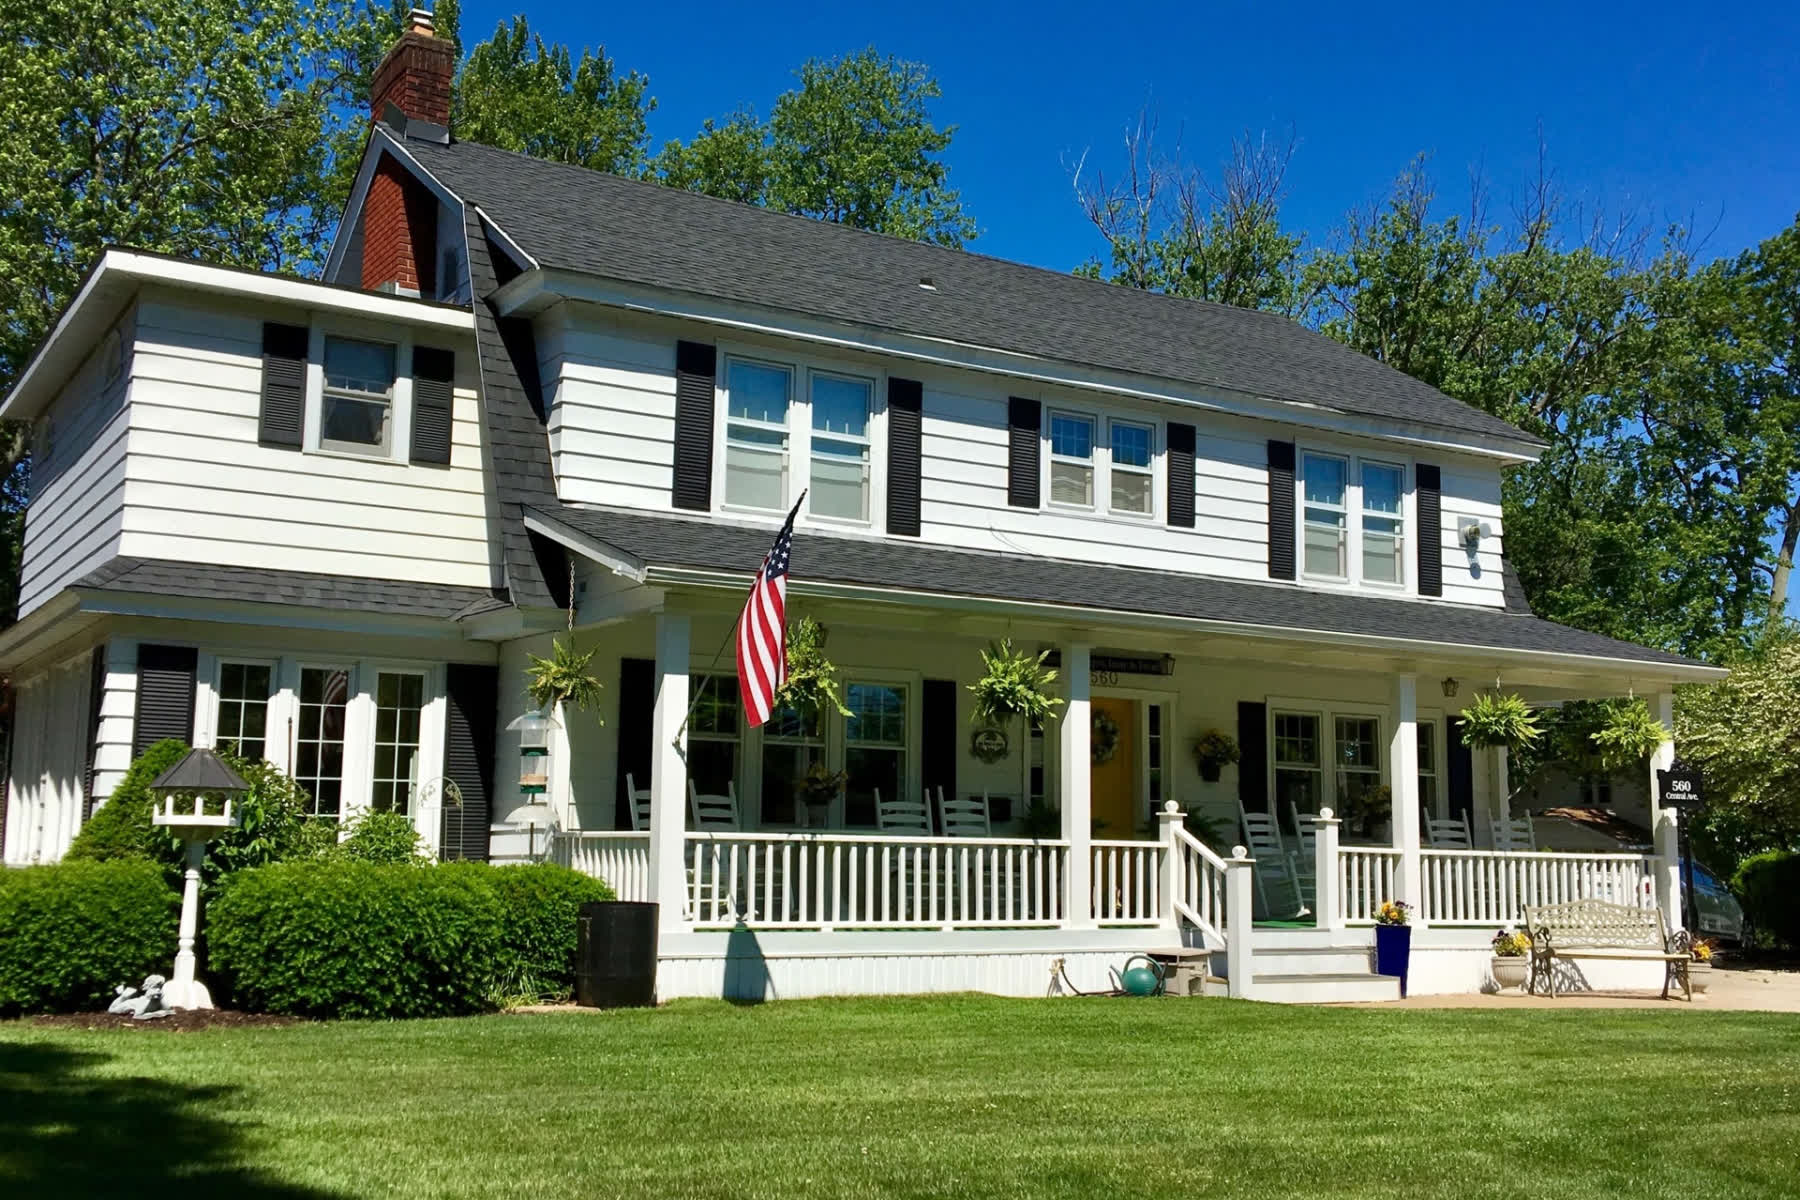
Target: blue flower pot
[1393, 951]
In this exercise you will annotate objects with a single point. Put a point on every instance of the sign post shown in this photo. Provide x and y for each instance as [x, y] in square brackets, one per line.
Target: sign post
[1681, 789]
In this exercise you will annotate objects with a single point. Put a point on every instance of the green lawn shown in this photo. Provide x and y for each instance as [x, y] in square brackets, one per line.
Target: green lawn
[964, 1096]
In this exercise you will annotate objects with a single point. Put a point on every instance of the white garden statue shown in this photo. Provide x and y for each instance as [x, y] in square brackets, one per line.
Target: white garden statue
[141, 1004]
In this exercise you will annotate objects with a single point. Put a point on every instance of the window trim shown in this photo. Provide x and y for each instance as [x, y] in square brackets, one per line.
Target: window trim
[219, 663]
[1097, 475]
[1364, 512]
[400, 404]
[1149, 470]
[347, 774]
[1354, 511]
[867, 441]
[726, 420]
[1344, 508]
[1327, 712]
[424, 676]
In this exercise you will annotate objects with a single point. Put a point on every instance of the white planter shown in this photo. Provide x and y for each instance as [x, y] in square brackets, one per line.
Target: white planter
[1509, 972]
[1699, 975]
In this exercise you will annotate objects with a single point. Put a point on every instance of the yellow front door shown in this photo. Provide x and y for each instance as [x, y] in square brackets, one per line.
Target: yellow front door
[1114, 781]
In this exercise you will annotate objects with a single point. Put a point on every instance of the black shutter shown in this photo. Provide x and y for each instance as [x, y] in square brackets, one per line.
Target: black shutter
[473, 692]
[1431, 530]
[1253, 755]
[696, 367]
[1181, 475]
[433, 371]
[637, 698]
[96, 693]
[1281, 510]
[283, 385]
[165, 696]
[939, 739]
[1023, 420]
[904, 416]
[1461, 768]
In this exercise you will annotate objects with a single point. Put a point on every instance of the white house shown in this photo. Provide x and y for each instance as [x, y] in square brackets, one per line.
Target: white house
[329, 519]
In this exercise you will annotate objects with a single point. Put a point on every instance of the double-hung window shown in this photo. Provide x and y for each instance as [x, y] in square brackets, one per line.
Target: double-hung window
[1358, 753]
[319, 738]
[1382, 538]
[714, 735]
[1325, 479]
[1071, 460]
[1130, 475]
[1299, 782]
[357, 406]
[756, 434]
[874, 748]
[399, 701]
[1428, 768]
[792, 742]
[841, 407]
[244, 708]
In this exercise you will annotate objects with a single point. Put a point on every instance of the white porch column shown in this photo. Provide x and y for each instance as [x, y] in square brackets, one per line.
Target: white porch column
[668, 771]
[1238, 923]
[1327, 912]
[1403, 770]
[1665, 822]
[1169, 877]
[1073, 776]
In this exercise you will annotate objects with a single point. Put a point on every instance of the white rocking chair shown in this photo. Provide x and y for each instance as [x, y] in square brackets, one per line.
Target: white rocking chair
[639, 806]
[912, 817]
[1262, 835]
[1305, 859]
[1513, 834]
[1450, 834]
[963, 816]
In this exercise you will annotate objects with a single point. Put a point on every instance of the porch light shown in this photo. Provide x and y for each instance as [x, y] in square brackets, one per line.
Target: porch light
[1449, 688]
[195, 801]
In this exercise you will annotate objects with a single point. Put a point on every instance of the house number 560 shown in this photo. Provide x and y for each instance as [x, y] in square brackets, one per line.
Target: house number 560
[1103, 679]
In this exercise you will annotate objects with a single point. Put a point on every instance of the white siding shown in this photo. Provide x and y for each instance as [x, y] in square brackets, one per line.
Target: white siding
[77, 486]
[199, 488]
[612, 429]
[49, 767]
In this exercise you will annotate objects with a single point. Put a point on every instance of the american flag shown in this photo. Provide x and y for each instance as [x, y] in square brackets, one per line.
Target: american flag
[762, 628]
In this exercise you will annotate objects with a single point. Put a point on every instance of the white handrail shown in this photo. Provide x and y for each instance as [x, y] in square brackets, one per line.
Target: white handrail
[1494, 887]
[1200, 885]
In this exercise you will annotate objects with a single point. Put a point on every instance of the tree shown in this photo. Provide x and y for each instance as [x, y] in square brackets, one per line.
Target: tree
[854, 144]
[519, 93]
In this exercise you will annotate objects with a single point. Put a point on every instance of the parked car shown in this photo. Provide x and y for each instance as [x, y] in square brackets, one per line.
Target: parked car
[1718, 913]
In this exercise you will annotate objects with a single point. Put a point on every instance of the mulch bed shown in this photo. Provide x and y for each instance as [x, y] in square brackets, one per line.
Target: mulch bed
[186, 1021]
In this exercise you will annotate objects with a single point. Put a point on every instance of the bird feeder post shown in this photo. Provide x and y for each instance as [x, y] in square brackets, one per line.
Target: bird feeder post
[181, 796]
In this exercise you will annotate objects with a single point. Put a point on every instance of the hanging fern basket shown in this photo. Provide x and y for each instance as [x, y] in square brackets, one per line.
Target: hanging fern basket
[1500, 719]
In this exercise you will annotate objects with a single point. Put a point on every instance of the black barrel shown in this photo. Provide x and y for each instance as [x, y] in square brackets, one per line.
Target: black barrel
[615, 962]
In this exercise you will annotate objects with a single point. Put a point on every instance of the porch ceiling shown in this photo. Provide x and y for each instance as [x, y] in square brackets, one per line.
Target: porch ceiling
[662, 548]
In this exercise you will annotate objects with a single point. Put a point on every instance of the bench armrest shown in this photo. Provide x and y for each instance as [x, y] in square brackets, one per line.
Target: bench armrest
[1679, 942]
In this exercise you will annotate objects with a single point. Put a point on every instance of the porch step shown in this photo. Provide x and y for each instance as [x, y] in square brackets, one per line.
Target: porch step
[1282, 959]
[1346, 988]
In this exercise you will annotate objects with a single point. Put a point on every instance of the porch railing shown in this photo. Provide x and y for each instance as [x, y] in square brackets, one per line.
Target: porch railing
[824, 881]
[1199, 885]
[1128, 883]
[1366, 877]
[1492, 888]
[621, 858]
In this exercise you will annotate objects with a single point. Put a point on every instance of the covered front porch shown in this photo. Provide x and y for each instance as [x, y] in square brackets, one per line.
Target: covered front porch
[1099, 833]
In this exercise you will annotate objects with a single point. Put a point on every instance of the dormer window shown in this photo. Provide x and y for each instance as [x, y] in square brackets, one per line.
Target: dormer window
[356, 412]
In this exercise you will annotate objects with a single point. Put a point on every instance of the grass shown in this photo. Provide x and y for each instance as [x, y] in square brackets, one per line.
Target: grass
[961, 1096]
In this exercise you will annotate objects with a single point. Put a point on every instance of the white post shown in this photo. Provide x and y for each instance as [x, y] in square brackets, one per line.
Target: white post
[1664, 822]
[1327, 912]
[668, 772]
[184, 990]
[1403, 770]
[1074, 777]
[1169, 874]
[1238, 920]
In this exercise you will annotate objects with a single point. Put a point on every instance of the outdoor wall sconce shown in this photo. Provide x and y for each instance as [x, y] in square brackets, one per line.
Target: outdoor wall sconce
[1449, 686]
[1471, 536]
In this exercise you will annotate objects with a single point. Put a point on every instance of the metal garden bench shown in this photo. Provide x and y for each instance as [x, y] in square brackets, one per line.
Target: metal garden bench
[1597, 929]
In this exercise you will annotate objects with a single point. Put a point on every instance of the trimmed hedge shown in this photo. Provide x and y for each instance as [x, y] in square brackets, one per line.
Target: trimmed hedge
[120, 828]
[354, 939]
[1769, 886]
[72, 932]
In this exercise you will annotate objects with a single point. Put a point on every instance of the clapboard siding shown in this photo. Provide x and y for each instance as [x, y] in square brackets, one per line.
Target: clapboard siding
[199, 487]
[612, 431]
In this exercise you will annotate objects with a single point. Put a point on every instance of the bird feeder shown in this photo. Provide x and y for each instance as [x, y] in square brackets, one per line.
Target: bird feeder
[534, 730]
[195, 800]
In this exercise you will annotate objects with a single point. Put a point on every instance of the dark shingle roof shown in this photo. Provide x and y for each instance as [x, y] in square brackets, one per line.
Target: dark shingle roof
[258, 585]
[590, 222]
[665, 540]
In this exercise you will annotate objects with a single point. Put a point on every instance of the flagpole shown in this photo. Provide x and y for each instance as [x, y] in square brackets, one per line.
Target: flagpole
[712, 669]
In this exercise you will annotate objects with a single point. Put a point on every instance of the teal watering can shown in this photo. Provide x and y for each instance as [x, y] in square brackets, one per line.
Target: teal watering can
[1145, 980]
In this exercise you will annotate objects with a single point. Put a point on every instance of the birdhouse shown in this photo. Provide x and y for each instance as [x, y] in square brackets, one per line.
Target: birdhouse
[534, 730]
[195, 800]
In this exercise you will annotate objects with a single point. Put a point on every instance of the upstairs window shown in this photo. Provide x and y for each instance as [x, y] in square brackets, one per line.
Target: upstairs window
[1071, 460]
[841, 406]
[1325, 483]
[756, 435]
[356, 415]
[1131, 479]
[1382, 541]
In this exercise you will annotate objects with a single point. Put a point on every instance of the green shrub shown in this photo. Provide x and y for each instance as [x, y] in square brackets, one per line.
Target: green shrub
[120, 828]
[538, 908]
[1769, 886]
[382, 837]
[70, 933]
[351, 939]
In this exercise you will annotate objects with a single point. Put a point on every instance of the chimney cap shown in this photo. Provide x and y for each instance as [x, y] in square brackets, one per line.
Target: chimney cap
[419, 20]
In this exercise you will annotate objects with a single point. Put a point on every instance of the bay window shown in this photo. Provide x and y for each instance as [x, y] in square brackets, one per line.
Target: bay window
[1325, 484]
[841, 408]
[1071, 460]
[243, 723]
[874, 748]
[1381, 523]
[399, 701]
[1130, 476]
[756, 434]
[356, 408]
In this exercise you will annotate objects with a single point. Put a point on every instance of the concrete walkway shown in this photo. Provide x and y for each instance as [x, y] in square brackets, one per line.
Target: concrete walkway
[1729, 990]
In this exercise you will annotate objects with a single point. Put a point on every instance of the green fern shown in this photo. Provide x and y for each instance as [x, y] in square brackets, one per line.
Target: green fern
[563, 678]
[1013, 684]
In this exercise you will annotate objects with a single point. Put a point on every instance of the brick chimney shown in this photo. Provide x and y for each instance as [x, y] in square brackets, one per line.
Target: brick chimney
[399, 215]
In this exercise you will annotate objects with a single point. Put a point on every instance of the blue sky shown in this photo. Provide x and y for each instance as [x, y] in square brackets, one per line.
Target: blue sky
[1688, 113]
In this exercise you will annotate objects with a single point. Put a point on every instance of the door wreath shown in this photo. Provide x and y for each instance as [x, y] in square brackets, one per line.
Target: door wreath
[1104, 737]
